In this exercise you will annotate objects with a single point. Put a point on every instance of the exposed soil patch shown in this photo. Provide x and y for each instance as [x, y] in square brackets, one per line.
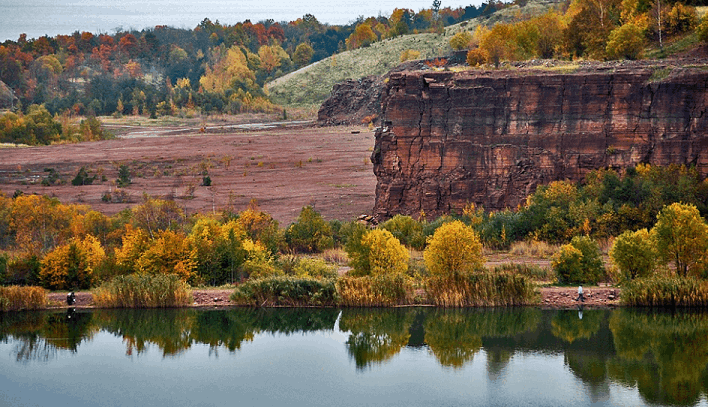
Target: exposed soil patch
[565, 297]
[284, 169]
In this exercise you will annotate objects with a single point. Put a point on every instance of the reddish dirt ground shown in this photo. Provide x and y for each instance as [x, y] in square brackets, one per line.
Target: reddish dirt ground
[284, 169]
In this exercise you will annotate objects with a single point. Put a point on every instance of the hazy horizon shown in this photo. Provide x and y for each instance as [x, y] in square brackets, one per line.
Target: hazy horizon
[37, 18]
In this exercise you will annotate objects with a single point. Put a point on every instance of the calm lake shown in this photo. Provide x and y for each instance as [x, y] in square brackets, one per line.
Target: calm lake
[353, 357]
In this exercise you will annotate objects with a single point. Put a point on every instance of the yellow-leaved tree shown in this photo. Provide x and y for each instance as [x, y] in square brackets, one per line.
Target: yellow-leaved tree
[682, 237]
[71, 266]
[454, 250]
[228, 69]
[378, 252]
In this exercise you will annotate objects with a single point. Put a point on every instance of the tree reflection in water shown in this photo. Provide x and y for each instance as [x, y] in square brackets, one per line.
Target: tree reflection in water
[376, 335]
[662, 354]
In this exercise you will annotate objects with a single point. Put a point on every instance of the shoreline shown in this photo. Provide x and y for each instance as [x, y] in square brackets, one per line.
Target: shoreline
[596, 297]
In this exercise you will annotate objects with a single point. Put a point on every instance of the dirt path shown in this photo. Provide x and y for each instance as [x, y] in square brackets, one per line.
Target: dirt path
[551, 297]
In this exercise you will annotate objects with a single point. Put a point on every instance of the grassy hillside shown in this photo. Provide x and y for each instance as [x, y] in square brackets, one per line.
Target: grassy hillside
[311, 85]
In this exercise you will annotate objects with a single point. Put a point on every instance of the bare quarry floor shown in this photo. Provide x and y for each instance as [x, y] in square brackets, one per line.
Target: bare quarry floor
[284, 167]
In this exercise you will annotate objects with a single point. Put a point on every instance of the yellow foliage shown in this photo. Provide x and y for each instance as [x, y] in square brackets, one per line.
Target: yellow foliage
[71, 266]
[387, 255]
[168, 252]
[229, 67]
[135, 242]
[454, 249]
[40, 223]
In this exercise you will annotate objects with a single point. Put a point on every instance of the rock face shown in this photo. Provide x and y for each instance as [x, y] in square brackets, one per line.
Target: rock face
[7, 98]
[351, 102]
[492, 137]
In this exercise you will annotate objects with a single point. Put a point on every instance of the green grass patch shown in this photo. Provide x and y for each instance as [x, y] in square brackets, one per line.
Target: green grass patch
[16, 298]
[286, 291]
[143, 291]
[666, 292]
[481, 290]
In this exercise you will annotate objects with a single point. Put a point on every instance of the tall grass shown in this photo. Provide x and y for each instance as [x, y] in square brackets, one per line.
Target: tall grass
[666, 292]
[533, 248]
[143, 291]
[487, 289]
[287, 291]
[16, 298]
[379, 291]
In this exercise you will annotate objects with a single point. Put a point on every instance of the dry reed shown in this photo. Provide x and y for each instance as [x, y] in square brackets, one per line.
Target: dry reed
[143, 291]
[16, 298]
[487, 289]
[379, 291]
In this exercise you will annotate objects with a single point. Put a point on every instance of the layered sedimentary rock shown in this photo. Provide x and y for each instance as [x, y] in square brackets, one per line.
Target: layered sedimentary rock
[491, 138]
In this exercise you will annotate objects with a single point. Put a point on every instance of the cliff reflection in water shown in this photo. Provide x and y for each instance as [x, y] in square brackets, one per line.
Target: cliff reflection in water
[663, 355]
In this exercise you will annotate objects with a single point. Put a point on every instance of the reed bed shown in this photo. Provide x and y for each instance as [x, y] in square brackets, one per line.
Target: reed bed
[286, 291]
[666, 292]
[143, 291]
[16, 298]
[487, 289]
[379, 291]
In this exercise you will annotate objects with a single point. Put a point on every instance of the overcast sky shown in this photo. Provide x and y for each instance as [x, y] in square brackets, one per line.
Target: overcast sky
[51, 17]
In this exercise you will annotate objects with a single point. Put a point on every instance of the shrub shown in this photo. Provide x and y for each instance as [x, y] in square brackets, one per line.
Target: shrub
[666, 292]
[487, 289]
[71, 266]
[461, 40]
[578, 262]
[633, 253]
[143, 291]
[123, 176]
[454, 250]
[3, 268]
[702, 30]
[15, 298]
[310, 233]
[23, 270]
[289, 291]
[378, 252]
[82, 178]
[407, 230]
[476, 57]
[374, 291]
[314, 268]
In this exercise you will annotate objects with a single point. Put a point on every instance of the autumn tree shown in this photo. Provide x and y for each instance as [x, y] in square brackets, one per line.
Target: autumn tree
[454, 250]
[625, 42]
[154, 215]
[580, 261]
[310, 232]
[303, 54]
[362, 36]
[377, 252]
[682, 238]
[71, 266]
[633, 253]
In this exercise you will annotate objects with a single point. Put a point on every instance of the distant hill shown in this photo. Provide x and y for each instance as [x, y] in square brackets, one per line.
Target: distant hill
[311, 85]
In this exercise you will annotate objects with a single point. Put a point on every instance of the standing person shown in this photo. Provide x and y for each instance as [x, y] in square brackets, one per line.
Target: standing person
[581, 297]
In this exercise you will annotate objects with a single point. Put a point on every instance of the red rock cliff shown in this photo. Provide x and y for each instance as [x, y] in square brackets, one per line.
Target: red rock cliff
[492, 137]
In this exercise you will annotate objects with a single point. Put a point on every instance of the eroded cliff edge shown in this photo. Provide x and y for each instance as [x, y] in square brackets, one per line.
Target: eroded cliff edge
[491, 137]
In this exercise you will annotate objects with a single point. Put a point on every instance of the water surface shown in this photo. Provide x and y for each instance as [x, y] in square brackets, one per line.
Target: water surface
[352, 357]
